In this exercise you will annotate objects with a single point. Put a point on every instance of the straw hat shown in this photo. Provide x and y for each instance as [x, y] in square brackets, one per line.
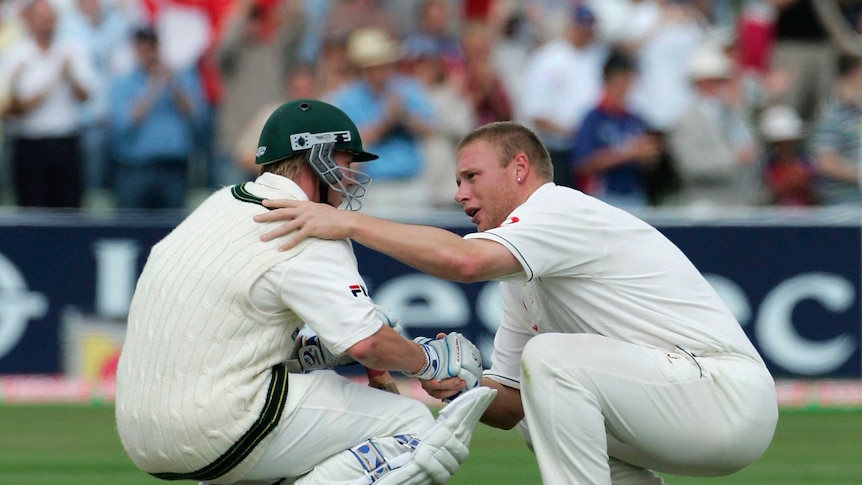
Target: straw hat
[779, 123]
[371, 47]
[709, 62]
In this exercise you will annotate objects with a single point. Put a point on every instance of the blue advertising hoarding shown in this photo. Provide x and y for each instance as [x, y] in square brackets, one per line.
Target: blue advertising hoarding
[794, 287]
[795, 291]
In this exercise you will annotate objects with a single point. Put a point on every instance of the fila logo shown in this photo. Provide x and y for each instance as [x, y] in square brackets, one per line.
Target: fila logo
[357, 289]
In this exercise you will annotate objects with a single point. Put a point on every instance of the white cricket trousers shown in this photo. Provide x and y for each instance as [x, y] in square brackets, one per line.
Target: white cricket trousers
[601, 411]
[326, 414]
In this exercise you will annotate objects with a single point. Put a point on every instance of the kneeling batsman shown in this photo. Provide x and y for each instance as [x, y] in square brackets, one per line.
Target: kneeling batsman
[432, 456]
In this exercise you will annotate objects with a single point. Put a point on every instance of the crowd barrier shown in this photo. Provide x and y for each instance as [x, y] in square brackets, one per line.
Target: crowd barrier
[792, 278]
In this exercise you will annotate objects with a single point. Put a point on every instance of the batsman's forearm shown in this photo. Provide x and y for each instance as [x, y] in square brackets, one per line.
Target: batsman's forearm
[388, 350]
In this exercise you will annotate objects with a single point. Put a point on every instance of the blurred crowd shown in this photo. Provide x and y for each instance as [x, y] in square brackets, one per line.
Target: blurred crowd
[137, 103]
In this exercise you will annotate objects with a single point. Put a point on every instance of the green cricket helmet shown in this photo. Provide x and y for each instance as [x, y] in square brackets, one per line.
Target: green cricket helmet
[317, 128]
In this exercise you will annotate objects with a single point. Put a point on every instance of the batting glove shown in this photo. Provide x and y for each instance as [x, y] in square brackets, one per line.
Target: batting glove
[388, 318]
[313, 355]
[450, 356]
[310, 353]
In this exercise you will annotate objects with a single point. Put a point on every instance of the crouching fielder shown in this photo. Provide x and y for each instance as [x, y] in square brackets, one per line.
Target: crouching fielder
[204, 389]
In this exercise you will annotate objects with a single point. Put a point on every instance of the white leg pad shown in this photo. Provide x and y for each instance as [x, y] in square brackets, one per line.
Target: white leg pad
[430, 458]
[462, 414]
[363, 464]
[445, 445]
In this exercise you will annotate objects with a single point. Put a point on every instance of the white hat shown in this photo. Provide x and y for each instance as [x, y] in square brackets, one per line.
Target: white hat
[709, 62]
[780, 122]
[371, 47]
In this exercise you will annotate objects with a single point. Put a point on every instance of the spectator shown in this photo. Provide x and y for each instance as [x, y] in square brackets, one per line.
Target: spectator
[347, 16]
[562, 81]
[624, 23]
[551, 16]
[835, 140]
[49, 82]
[454, 115]
[803, 48]
[333, 67]
[756, 32]
[11, 30]
[482, 84]
[516, 35]
[433, 23]
[299, 83]
[103, 28]
[394, 115]
[660, 35]
[612, 147]
[258, 48]
[153, 116]
[662, 48]
[752, 50]
[712, 145]
[476, 10]
[789, 168]
[315, 13]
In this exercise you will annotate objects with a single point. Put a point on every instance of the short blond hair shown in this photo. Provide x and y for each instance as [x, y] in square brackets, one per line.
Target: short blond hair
[510, 139]
[288, 167]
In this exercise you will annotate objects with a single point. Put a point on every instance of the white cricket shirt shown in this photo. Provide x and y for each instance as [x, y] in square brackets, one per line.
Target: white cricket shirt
[322, 286]
[200, 383]
[593, 268]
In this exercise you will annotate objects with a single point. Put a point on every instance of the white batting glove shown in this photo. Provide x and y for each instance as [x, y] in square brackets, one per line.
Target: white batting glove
[450, 356]
[313, 355]
[388, 318]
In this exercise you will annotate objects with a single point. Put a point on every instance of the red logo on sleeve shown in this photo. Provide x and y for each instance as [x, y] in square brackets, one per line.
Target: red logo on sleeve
[510, 220]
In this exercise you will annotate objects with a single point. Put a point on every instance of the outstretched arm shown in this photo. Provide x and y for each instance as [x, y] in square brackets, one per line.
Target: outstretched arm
[432, 250]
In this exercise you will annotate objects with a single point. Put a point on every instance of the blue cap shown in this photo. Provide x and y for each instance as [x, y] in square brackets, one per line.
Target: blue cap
[583, 14]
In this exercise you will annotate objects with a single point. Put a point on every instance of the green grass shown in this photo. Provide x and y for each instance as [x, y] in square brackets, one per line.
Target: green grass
[77, 445]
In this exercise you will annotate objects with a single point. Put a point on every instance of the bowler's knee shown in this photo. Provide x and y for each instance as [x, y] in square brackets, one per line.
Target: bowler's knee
[540, 358]
[548, 350]
[551, 355]
[534, 352]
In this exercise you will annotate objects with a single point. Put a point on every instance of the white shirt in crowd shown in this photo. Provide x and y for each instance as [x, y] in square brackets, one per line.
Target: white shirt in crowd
[558, 74]
[28, 70]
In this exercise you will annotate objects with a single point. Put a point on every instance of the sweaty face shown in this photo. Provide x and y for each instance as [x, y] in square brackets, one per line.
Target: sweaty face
[487, 190]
